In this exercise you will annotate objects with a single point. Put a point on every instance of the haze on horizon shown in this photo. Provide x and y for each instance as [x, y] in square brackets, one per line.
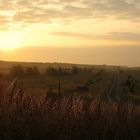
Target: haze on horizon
[82, 31]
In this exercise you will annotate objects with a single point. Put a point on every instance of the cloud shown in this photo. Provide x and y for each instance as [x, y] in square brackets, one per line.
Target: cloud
[125, 36]
[3, 23]
[109, 36]
[43, 11]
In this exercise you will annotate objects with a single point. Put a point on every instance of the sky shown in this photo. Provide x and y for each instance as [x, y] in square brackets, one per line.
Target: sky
[81, 31]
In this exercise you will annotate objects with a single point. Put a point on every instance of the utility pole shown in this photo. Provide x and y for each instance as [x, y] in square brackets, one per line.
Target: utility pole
[59, 84]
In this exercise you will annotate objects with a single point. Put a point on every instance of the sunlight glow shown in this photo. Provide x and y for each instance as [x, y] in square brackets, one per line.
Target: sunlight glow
[11, 40]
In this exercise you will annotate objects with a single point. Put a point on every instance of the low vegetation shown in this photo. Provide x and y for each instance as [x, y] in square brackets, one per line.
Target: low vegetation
[20, 71]
[69, 102]
[26, 117]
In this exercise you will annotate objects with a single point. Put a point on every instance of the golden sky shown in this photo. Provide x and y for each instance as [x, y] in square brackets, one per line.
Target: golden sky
[80, 24]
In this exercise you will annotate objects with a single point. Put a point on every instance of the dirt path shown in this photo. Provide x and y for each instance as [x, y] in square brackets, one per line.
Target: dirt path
[113, 90]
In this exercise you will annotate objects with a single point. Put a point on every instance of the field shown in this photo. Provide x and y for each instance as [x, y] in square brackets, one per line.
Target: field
[69, 102]
[112, 83]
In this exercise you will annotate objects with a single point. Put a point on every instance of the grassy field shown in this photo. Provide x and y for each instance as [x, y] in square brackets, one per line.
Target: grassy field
[112, 83]
[69, 102]
[27, 117]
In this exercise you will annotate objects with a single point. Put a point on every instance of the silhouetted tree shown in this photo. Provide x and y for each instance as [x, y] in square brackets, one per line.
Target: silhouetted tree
[51, 71]
[32, 71]
[75, 70]
[58, 71]
[17, 70]
[36, 71]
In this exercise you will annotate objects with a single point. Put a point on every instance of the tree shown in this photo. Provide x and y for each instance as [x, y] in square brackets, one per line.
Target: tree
[36, 71]
[75, 70]
[51, 71]
[32, 71]
[17, 71]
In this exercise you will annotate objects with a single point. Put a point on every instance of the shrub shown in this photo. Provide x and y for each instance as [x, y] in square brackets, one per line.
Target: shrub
[32, 71]
[58, 71]
[75, 70]
[17, 71]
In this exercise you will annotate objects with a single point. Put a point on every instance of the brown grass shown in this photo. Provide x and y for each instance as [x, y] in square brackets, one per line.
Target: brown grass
[24, 117]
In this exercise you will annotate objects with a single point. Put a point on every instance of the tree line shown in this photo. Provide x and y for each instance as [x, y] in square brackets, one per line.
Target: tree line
[20, 71]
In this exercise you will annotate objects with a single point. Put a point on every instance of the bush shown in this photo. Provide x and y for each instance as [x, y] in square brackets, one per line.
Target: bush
[62, 71]
[75, 70]
[58, 71]
[17, 71]
[32, 71]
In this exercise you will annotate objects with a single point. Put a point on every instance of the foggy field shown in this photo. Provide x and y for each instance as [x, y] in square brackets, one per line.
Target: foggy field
[111, 83]
[69, 102]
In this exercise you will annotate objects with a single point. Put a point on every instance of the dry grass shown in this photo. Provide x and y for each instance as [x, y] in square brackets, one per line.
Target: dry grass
[24, 117]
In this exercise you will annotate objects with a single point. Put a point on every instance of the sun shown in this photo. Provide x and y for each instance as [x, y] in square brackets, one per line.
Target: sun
[10, 40]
